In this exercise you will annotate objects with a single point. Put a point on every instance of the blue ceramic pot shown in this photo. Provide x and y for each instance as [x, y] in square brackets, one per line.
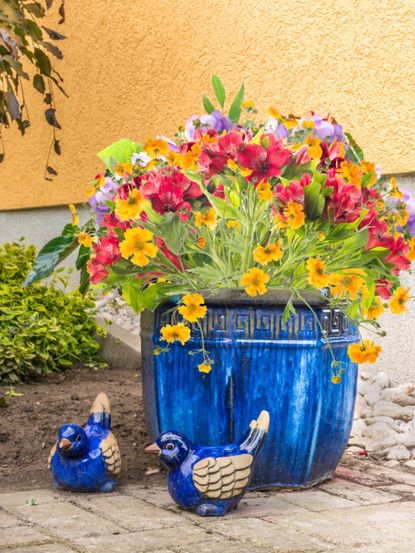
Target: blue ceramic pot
[260, 362]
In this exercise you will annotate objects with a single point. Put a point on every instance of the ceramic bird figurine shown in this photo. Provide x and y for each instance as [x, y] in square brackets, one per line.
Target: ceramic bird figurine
[87, 459]
[210, 480]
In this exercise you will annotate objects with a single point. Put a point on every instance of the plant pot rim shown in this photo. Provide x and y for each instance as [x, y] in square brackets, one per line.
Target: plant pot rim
[276, 296]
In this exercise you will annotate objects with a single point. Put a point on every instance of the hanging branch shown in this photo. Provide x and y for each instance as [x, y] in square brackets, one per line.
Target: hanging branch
[22, 38]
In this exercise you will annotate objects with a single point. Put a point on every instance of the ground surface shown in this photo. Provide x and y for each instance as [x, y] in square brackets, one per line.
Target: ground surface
[29, 424]
[365, 509]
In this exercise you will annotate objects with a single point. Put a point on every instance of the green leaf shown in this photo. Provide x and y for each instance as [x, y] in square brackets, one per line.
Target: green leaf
[235, 109]
[139, 299]
[222, 207]
[207, 104]
[120, 151]
[314, 201]
[219, 90]
[355, 152]
[52, 254]
[173, 232]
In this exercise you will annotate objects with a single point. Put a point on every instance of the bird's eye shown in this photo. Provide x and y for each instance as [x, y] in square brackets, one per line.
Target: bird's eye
[78, 438]
[170, 446]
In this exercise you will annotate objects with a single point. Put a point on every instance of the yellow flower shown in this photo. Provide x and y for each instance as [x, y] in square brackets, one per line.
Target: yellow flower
[204, 368]
[375, 310]
[336, 379]
[395, 192]
[279, 222]
[294, 213]
[255, 282]
[193, 307]
[123, 168]
[156, 147]
[402, 216]
[368, 167]
[187, 160]
[208, 219]
[264, 191]
[271, 252]
[85, 239]
[235, 167]
[201, 242]
[317, 276]
[349, 282]
[232, 223]
[351, 172]
[398, 300]
[274, 113]
[248, 104]
[75, 218]
[131, 207]
[179, 332]
[208, 139]
[411, 254]
[137, 243]
[314, 149]
[367, 352]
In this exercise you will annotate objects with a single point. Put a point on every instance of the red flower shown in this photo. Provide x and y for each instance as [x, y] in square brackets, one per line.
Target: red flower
[332, 155]
[96, 271]
[110, 220]
[383, 288]
[215, 155]
[169, 190]
[397, 255]
[266, 159]
[345, 202]
[168, 253]
[294, 192]
[107, 250]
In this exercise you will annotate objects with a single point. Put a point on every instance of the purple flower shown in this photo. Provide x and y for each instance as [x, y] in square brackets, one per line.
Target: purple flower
[104, 193]
[325, 130]
[216, 121]
[409, 202]
[274, 126]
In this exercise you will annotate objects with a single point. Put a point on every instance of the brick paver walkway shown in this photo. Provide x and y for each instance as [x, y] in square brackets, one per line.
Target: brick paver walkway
[366, 509]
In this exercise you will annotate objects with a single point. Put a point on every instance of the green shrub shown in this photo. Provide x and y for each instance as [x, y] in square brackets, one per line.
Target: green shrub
[42, 328]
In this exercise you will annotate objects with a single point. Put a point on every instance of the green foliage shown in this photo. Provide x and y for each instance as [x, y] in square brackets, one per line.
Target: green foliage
[42, 328]
[24, 42]
[118, 152]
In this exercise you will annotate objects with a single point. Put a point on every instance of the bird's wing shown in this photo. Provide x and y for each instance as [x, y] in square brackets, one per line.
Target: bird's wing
[111, 454]
[223, 477]
[51, 454]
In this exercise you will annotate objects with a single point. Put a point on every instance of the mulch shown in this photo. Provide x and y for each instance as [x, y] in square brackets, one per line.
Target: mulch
[29, 424]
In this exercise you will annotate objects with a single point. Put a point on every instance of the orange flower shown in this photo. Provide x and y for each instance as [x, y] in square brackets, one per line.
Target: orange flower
[179, 332]
[395, 192]
[201, 242]
[264, 191]
[204, 368]
[375, 310]
[367, 352]
[294, 213]
[137, 245]
[208, 219]
[233, 224]
[314, 149]
[85, 239]
[156, 147]
[271, 252]
[131, 207]
[368, 167]
[123, 168]
[348, 282]
[351, 172]
[317, 275]
[255, 282]
[193, 307]
[75, 218]
[399, 298]
[411, 254]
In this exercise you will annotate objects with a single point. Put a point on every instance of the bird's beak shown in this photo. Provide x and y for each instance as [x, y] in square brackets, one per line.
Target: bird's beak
[153, 448]
[65, 444]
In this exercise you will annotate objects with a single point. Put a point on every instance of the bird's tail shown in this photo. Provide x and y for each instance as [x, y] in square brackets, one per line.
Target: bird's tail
[100, 412]
[256, 433]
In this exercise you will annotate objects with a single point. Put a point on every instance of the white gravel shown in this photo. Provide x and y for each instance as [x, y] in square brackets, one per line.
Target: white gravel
[113, 308]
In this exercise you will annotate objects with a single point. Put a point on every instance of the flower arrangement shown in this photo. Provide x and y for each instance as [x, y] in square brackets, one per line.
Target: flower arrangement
[231, 202]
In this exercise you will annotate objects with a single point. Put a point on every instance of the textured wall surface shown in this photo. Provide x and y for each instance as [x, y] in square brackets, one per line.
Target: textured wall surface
[140, 67]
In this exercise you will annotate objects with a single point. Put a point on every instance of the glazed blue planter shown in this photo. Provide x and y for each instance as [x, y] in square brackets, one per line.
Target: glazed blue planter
[260, 362]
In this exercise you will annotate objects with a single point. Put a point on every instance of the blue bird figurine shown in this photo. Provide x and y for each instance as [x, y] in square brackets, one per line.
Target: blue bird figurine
[87, 459]
[210, 481]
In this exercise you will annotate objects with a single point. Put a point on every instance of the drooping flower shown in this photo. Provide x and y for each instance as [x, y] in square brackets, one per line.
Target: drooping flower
[96, 271]
[172, 333]
[351, 172]
[85, 239]
[383, 288]
[156, 147]
[395, 192]
[138, 246]
[255, 281]
[348, 282]
[193, 307]
[107, 249]
[317, 274]
[265, 159]
[204, 368]
[75, 217]
[399, 299]
[366, 352]
[375, 310]
[271, 252]
[208, 219]
[336, 379]
[131, 207]
[294, 214]
[232, 223]
[264, 191]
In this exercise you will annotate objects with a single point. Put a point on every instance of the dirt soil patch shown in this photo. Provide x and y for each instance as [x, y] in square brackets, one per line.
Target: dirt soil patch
[29, 424]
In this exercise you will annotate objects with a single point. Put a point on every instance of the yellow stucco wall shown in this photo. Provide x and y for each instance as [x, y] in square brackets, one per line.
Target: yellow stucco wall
[135, 68]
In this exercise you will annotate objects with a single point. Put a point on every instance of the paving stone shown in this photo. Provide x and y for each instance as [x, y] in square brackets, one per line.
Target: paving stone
[258, 507]
[316, 500]
[362, 476]
[354, 527]
[356, 492]
[147, 540]
[401, 489]
[21, 535]
[19, 499]
[6, 520]
[156, 496]
[221, 546]
[397, 476]
[131, 513]
[68, 521]
[261, 533]
[49, 548]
